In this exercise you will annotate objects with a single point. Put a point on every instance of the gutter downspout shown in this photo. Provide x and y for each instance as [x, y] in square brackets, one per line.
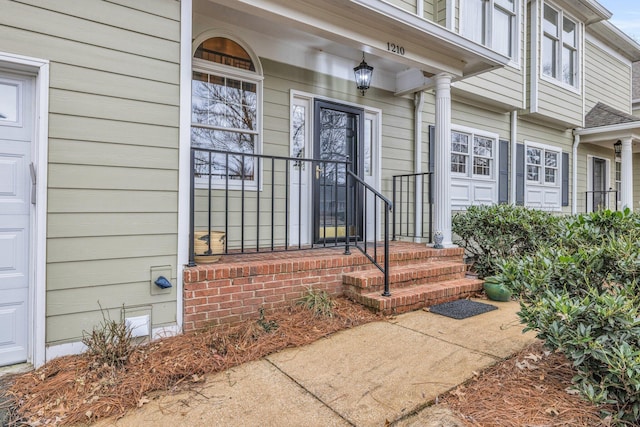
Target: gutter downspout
[574, 175]
[418, 102]
[514, 142]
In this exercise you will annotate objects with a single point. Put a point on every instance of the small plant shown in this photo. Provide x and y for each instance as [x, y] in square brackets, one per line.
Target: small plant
[110, 342]
[267, 325]
[317, 301]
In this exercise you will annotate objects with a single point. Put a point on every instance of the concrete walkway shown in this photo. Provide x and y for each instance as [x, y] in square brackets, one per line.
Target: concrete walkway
[382, 372]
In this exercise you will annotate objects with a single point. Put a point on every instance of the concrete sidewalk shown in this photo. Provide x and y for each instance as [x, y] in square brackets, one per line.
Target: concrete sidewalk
[366, 376]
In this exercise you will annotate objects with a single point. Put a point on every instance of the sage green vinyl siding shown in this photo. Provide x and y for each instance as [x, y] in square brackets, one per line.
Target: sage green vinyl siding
[560, 104]
[408, 5]
[113, 152]
[607, 80]
[480, 119]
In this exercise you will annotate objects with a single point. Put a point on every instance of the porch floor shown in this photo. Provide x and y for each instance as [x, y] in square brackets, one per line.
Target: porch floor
[239, 285]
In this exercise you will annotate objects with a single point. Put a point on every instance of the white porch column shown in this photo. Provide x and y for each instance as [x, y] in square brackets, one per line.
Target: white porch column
[626, 198]
[442, 159]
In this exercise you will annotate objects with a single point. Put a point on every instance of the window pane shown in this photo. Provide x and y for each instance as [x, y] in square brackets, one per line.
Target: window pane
[459, 142]
[8, 102]
[551, 159]
[481, 166]
[534, 156]
[549, 55]
[533, 173]
[550, 176]
[474, 20]
[568, 32]
[298, 131]
[482, 146]
[502, 32]
[568, 65]
[550, 22]
[506, 4]
[459, 163]
[368, 146]
[234, 142]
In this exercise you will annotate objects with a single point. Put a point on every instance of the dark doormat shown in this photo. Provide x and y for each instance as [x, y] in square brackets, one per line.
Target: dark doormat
[461, 309]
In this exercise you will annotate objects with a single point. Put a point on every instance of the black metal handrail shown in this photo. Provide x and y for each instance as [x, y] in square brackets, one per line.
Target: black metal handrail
[600, 200]
[250, 198]
[387, 205]
[405, 191]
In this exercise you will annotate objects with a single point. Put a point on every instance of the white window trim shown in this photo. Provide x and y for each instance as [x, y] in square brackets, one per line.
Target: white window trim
[515, 59]
[470, 175]
[541, 183]
[544, 148]
[618, 165]
[200, 65]
[579, 29]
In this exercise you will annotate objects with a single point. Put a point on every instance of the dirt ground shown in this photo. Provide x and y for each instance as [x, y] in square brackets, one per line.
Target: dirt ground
[529, 389]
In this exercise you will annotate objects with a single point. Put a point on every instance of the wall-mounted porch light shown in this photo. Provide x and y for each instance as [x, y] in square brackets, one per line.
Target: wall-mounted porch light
[617, 147]
[363, 73]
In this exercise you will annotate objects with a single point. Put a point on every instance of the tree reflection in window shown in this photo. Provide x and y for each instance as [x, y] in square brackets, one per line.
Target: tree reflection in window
[224, 113]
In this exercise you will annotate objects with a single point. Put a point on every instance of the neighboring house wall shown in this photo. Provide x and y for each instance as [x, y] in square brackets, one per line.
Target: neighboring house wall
[607, 78]
[113, 153]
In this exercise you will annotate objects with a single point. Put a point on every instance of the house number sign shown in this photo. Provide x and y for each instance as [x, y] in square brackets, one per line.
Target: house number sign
[392, 47]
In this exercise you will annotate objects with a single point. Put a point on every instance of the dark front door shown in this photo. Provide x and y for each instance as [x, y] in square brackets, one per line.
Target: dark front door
[599, 184]
[337, 137]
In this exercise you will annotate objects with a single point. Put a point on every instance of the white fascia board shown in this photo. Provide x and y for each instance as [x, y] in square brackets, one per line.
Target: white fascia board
[631, 127]
[617, 39]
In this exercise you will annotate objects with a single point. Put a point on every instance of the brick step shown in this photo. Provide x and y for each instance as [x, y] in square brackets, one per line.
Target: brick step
[402, 276]
[419, 296]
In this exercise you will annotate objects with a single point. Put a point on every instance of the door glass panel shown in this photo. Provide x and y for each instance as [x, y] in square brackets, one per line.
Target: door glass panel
[8, 102]
[599, 184]
[338, 135]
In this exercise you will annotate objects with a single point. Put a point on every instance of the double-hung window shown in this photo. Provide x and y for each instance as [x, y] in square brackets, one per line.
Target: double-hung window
[225, 112]
[542, 166]
[472, 155]
[559, 47]
[491, 23]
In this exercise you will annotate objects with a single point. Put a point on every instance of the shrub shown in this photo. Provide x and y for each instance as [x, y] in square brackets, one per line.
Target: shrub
[110, 343]
[318, 302]
[490, 234]
[583, 298]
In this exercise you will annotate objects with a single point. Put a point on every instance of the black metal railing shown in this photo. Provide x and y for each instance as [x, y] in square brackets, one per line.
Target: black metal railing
[406, 189]
[380, 203]
[259, 203]
[601, 200]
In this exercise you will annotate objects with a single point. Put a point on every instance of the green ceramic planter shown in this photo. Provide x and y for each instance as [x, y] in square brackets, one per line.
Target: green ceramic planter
[497, 291]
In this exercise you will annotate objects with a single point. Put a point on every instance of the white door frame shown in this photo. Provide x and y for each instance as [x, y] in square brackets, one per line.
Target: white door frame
[39, 68]
[373, 114]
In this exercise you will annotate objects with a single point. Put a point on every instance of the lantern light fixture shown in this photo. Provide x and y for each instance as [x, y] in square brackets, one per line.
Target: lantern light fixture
[618, 149]
[363, 73]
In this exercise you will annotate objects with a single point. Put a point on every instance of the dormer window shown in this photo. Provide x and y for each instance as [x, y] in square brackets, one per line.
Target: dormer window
[491, 23]
[559, 47]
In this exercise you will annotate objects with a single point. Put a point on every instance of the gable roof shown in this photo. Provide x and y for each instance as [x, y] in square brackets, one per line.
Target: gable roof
[603, 115]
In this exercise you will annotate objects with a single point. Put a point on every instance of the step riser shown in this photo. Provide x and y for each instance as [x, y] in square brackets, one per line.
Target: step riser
[402, 303]
[378, 284]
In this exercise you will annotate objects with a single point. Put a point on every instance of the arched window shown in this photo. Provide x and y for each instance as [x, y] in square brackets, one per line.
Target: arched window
[226, 103]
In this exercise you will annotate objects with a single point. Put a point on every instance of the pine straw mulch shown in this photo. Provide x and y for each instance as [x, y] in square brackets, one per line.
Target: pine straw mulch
[532, 388]
[73, 390]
